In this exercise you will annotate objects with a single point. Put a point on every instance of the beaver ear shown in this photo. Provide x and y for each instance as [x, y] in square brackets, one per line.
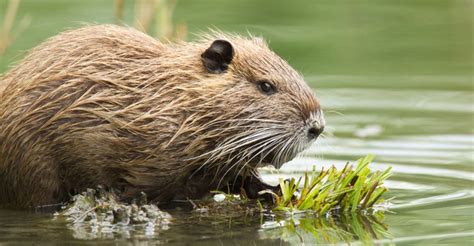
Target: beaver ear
[218, 56]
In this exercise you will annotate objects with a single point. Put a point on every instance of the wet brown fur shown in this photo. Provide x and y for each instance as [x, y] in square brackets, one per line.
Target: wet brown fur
[112, 106]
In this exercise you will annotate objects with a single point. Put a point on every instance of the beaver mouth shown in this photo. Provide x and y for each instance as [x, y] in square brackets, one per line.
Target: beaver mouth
[276, 159]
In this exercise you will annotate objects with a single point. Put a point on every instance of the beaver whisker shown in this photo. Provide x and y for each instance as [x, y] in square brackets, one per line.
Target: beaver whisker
[247, 153]
[258, 149]
[240, 140]
[278, 156]
[266, 135]
[267, 148]
[222, 148]
[231, 145]
[238, 144]
[285, 151]
[281, 156]
[299, 146]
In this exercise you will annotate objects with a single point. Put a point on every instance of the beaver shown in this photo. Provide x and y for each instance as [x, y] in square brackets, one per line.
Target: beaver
[111, 106]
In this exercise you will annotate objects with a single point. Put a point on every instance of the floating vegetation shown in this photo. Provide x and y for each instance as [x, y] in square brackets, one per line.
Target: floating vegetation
[349, 189]
[227, 205]
[328, 192]
[97, 211]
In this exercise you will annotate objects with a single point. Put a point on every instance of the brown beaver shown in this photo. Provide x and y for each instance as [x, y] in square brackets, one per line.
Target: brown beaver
[108, 105]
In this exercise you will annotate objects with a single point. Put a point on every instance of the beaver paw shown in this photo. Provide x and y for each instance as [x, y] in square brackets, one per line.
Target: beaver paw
[252, 187]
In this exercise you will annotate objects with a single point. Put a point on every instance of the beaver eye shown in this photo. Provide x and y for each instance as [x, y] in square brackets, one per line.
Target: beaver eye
[266, 87]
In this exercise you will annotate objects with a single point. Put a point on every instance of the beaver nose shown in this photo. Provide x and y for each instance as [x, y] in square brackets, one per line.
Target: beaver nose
[314, 132]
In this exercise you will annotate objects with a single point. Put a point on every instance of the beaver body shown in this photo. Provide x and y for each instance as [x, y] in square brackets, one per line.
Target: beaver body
[108, 105]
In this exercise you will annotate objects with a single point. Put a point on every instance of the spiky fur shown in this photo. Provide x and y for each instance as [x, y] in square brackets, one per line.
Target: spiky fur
[110, 105]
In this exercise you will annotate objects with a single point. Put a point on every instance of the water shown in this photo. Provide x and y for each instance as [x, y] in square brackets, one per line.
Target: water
[395, 79]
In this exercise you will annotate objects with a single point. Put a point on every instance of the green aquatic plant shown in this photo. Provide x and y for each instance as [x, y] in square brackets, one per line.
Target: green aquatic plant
[346, 190]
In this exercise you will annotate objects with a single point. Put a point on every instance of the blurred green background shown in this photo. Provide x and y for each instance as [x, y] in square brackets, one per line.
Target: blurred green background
[388, 39]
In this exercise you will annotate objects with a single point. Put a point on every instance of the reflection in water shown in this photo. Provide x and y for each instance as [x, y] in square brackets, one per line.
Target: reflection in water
[302, 228]
[146, 231]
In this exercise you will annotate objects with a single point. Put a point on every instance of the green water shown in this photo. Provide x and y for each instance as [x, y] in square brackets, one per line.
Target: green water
[395, 79]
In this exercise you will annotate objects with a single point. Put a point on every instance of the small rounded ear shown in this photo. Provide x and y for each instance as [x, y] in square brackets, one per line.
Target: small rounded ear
[218, 56]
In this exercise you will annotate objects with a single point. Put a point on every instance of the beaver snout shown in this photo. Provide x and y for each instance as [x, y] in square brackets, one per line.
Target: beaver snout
[315, 126]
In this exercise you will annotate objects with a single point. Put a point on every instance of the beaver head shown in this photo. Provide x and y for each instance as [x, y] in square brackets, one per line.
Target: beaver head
[107, 105]
[267, 113]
